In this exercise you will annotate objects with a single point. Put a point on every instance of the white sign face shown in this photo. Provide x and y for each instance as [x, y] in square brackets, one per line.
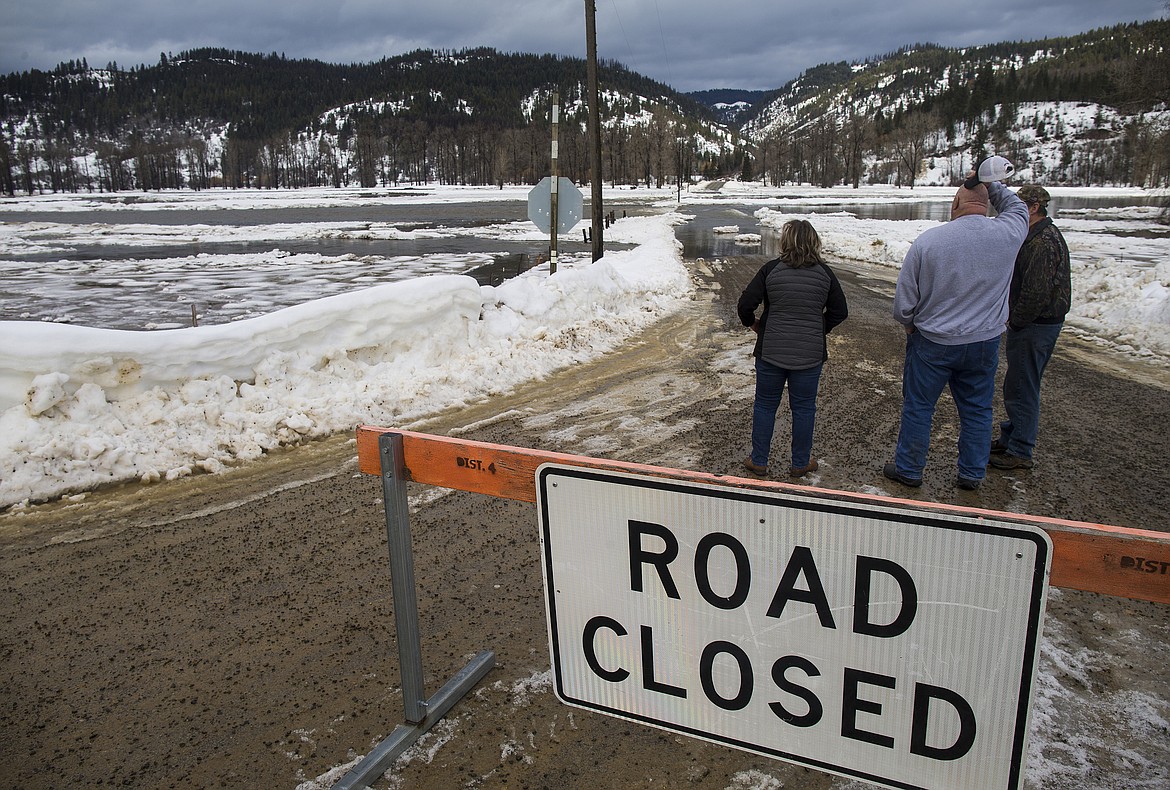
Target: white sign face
[893, 646]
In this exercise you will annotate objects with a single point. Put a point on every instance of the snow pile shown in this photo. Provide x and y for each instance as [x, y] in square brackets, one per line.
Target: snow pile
[1129, 306]
[1067, 746]
[83, 406]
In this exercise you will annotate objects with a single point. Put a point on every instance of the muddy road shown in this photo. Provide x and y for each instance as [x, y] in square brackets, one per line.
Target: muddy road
[237, 630]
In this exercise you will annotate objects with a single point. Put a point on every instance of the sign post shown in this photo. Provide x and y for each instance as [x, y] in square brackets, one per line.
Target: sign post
[893, 646]
[554, 190]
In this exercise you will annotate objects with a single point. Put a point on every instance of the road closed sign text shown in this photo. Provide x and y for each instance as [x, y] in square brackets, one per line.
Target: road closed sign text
[896, 647]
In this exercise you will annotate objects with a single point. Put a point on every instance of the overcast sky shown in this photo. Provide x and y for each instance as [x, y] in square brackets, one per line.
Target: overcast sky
[688, 44]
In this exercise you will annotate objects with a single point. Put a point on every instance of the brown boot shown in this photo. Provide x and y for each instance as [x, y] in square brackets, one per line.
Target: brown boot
[755, 469]
[1009, 461]
[801, 471]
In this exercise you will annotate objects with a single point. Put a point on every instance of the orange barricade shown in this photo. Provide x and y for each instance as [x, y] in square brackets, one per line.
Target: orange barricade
[1120, 561]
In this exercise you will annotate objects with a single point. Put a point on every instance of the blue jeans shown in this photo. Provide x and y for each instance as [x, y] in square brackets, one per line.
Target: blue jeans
[802, 399]
[1028, 352]
[969, 371]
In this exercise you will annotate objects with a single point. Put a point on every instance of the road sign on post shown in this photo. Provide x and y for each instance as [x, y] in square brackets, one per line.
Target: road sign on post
[569, 205]
[894, 646]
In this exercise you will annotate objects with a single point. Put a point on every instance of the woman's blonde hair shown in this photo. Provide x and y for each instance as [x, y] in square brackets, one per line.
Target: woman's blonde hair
[799, 243]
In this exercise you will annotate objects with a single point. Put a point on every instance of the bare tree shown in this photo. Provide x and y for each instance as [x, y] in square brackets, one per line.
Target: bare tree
[825, 167]
[908, 143]
[855, 137]
[7, 182]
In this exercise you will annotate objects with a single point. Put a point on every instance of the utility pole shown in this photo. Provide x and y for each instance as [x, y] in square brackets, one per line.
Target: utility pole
[594, 125]
[553, 194]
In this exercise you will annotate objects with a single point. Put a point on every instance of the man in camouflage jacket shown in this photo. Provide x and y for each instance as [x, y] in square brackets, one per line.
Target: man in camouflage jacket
[1039, 299]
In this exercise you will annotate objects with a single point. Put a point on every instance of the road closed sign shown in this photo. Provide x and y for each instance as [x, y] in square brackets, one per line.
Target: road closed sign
[897, 647]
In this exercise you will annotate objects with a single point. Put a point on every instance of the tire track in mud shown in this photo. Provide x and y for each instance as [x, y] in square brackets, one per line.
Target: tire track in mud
[643, 404]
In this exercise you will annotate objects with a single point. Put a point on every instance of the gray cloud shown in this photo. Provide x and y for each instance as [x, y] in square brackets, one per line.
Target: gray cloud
[687, 44]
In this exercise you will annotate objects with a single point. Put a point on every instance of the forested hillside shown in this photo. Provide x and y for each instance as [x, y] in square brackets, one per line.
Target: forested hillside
[219, 118]
[1088, 109]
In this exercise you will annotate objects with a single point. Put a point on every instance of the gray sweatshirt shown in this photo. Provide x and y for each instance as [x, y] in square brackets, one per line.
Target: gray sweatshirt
[953, 287]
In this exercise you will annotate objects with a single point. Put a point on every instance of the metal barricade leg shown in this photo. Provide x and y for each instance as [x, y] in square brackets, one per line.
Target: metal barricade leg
[420, 713]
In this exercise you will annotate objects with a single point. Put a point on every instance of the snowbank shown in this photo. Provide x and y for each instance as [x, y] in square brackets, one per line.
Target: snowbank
[83, 406]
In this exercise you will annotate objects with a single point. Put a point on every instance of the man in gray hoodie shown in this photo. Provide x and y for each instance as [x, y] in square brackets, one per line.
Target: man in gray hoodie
[952, 299]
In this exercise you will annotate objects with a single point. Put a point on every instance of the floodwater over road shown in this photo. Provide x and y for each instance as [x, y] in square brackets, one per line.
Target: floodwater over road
[700, 239]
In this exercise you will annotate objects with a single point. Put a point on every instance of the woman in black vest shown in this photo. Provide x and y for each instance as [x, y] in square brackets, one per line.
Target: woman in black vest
[802, 301]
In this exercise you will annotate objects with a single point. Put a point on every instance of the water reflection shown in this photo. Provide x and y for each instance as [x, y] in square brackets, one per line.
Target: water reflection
[700, 240]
